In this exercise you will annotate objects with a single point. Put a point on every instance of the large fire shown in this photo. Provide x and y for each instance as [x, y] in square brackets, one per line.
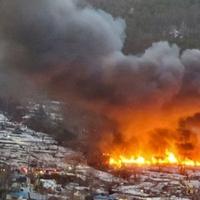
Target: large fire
[155, 139]
[168, 159]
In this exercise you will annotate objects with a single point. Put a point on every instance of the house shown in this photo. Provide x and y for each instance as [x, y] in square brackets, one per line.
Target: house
[22, 193]
[103, 197]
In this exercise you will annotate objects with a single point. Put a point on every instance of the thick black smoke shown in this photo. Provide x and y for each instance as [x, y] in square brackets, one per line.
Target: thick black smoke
[49, 33]
[75, 53]
[82, 46]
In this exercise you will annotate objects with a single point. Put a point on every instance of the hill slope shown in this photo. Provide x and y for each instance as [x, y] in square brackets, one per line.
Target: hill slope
[154, 20]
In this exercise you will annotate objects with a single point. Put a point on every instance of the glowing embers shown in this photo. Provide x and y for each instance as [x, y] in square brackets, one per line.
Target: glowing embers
[169, 158]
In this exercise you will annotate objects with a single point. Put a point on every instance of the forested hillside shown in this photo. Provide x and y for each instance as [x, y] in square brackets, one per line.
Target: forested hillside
[154, 20]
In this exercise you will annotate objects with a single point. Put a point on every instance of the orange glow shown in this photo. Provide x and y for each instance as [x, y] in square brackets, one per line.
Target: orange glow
[169, 158]
[152, 136]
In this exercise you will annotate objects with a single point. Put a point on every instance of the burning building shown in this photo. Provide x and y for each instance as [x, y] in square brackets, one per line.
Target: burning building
[147, 106]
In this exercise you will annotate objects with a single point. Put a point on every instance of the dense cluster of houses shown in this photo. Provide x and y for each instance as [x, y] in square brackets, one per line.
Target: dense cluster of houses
[33, 166]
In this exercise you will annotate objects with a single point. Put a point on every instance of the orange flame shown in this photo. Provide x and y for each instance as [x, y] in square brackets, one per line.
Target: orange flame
[169, 158]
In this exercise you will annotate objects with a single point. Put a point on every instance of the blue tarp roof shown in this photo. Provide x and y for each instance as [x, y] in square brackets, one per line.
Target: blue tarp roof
[22, 193]
[103, 197]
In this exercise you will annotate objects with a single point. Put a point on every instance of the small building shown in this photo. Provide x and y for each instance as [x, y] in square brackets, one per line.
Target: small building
[22, 193]
[103, 197]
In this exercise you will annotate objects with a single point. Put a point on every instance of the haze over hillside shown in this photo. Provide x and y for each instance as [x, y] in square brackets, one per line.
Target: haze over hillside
[176, 21]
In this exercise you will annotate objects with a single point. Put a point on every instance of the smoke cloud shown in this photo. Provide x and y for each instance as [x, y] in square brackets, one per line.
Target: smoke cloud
[75, 53]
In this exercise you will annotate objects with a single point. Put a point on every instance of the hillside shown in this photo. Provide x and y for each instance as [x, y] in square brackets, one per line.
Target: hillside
[154, 20]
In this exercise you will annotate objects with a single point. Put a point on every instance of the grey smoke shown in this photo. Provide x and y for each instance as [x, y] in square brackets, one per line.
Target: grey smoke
[48, 33]
[80, 49]
[191, 81]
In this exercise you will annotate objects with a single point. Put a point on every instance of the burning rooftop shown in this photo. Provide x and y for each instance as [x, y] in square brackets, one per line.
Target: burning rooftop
[168, 159]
